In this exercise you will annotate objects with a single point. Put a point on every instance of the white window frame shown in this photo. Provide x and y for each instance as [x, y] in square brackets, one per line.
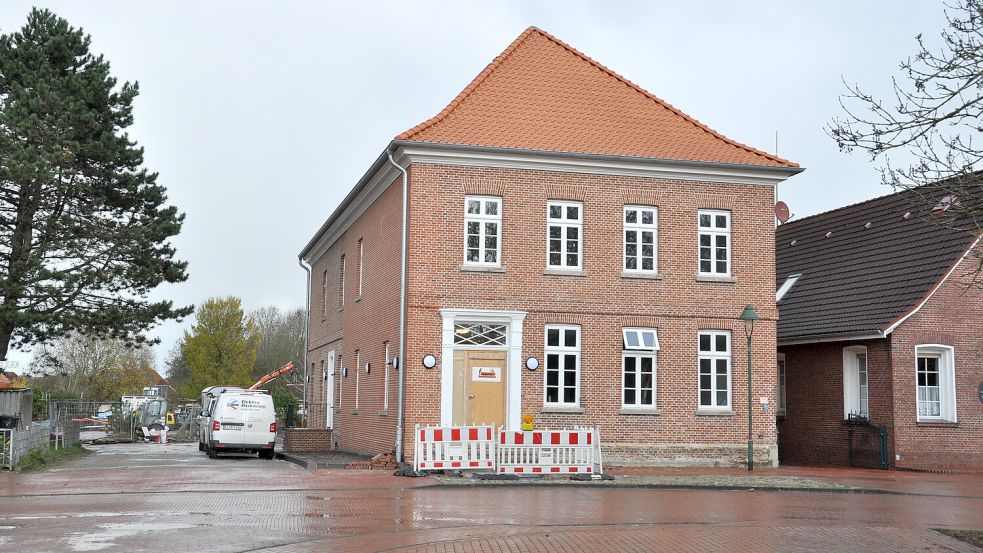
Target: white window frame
[786, 286]
[782, 386]
[483, 219]
[713, 356]
[564, 224]
[562, 351]
[324, 295]
[385, 385]
[638, 227]
[947, 381]
[361, 264]
[713, 231]
[855, 390]
[358, 373]
[639, 352]
[341, 282]
[341, 379]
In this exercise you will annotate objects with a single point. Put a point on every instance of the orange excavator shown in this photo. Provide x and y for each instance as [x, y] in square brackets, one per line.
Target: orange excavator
[267, 378]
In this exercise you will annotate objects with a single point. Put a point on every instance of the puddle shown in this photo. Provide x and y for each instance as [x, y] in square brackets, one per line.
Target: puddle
[109, 533]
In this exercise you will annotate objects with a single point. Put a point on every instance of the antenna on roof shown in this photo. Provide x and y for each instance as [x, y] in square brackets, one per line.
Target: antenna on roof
[781, 211]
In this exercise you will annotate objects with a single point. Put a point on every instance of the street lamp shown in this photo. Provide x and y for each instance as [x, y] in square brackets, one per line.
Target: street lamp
[749, 315]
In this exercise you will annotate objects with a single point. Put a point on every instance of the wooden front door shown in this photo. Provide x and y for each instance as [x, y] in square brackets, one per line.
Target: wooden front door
[479, 387]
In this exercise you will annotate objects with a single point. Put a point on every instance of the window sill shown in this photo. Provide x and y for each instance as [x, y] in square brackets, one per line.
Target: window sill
[642, 275]
[481, 269]
[566, 272]
[384, 413]
[355, 412]
[358, 299]
[639, 411]
[716, 279]
[715, 413]
[561, 409]
[937, 424]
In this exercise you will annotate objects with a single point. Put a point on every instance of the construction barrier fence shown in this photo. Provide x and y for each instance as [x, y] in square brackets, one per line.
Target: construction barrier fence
[570, 451]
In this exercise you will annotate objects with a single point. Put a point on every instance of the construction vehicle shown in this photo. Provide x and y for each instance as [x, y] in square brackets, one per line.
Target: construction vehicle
[272, 376]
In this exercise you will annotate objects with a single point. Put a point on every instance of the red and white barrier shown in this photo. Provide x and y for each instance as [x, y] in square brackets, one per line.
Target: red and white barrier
[548, 452]
[454, 447]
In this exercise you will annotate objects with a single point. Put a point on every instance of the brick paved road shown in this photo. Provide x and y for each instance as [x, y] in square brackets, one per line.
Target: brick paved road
[151, 497]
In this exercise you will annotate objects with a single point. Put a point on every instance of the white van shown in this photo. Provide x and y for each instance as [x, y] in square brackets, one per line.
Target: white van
[208, 397]
[240, 421]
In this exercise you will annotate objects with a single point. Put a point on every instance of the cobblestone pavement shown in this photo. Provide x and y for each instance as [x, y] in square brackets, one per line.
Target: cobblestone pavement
[152, 497]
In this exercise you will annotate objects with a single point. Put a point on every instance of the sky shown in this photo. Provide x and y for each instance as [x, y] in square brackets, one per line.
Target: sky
[260, 116]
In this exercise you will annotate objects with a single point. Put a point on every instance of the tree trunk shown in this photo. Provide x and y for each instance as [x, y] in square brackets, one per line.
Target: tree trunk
[5, 335]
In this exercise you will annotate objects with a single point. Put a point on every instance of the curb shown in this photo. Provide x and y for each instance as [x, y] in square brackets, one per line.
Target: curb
[299, 461]
[680, 487]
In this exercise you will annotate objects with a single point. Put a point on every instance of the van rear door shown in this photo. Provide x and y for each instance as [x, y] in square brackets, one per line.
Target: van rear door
[228, 413]
[259, 417]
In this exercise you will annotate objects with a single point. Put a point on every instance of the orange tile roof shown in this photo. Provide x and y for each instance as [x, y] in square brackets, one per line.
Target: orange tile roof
[5, 382]
[541, 94]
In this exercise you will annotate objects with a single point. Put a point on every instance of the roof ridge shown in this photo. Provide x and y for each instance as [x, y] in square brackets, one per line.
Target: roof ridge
[459, 99]
[695, 122]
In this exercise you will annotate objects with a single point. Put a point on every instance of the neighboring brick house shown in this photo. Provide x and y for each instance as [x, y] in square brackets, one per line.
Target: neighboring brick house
[578, 250]
[881, 324]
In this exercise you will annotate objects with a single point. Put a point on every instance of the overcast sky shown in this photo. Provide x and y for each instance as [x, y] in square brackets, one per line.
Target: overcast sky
[261, 116]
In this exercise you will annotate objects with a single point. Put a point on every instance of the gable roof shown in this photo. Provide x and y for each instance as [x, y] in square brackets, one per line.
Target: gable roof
[861, 279]
[541, 94]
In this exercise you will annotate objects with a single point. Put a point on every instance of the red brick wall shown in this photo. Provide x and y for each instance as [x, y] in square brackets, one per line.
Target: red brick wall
[300, 440]
[602, 301]
[813, 431]
[951, 317]
[363, 324]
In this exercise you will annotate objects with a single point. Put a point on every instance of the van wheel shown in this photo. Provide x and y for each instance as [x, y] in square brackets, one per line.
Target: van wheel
[212, 454]
[266, 454]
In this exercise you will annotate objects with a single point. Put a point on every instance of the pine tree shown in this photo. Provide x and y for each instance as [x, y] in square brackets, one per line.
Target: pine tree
[84, 227]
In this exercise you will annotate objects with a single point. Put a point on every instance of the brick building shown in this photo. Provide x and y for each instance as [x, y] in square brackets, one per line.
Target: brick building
[577, 249]
[878, 326]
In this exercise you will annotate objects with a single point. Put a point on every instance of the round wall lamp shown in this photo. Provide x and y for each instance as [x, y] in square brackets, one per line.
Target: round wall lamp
[368, 368]
[532, 363]
[344, 372]
[395, 362]
[429, 361]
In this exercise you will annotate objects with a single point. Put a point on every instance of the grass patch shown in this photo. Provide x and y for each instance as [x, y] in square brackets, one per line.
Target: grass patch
[48, 457]
[974, 537]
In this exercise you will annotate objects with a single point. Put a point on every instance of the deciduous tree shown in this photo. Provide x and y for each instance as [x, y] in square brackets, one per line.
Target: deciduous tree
[221, 347]
[84, 226]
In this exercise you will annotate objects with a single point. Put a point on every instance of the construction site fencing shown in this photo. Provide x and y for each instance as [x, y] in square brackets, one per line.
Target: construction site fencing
[106, 420]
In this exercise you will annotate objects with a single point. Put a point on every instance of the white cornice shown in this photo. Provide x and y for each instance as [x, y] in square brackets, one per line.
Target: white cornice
[594, 164]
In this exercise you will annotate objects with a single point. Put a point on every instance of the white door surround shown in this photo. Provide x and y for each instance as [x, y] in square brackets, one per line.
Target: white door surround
[513, 322]
[329, 392]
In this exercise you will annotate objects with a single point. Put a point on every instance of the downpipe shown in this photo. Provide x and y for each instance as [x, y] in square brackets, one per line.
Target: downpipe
[307, 324]
[400, 420]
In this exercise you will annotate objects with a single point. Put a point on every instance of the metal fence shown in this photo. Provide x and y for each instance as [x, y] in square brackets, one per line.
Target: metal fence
[6, 448]
[98, 420]
[867, 443]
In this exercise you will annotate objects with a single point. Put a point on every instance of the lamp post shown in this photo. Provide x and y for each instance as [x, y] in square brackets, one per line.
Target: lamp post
[749, 315]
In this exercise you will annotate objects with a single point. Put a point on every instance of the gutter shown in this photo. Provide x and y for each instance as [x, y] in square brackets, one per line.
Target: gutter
[307, 324]
[820, 338]
[400, 410]
[789, 171]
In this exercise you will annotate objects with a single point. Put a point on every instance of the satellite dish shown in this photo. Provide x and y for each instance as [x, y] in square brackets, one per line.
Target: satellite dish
[781, 211]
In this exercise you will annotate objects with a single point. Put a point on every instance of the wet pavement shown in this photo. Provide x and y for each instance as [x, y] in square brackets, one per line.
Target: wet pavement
[153, 497]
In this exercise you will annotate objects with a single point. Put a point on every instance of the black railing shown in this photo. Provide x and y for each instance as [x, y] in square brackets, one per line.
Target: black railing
[867, 443]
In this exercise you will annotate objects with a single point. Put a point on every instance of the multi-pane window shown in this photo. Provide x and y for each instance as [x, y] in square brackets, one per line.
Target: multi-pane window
[482, 230]
[358, 373]
[714, 237]
[324, 295]
[361, 265]
[935, 383]
[641, 239]
[564, 230]
[385, 384]
[714, 360]
[855, 382]
[341, 381]
[929, 398]
[341, 282]
[781, 385]
[638, 367]
[562, 365]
